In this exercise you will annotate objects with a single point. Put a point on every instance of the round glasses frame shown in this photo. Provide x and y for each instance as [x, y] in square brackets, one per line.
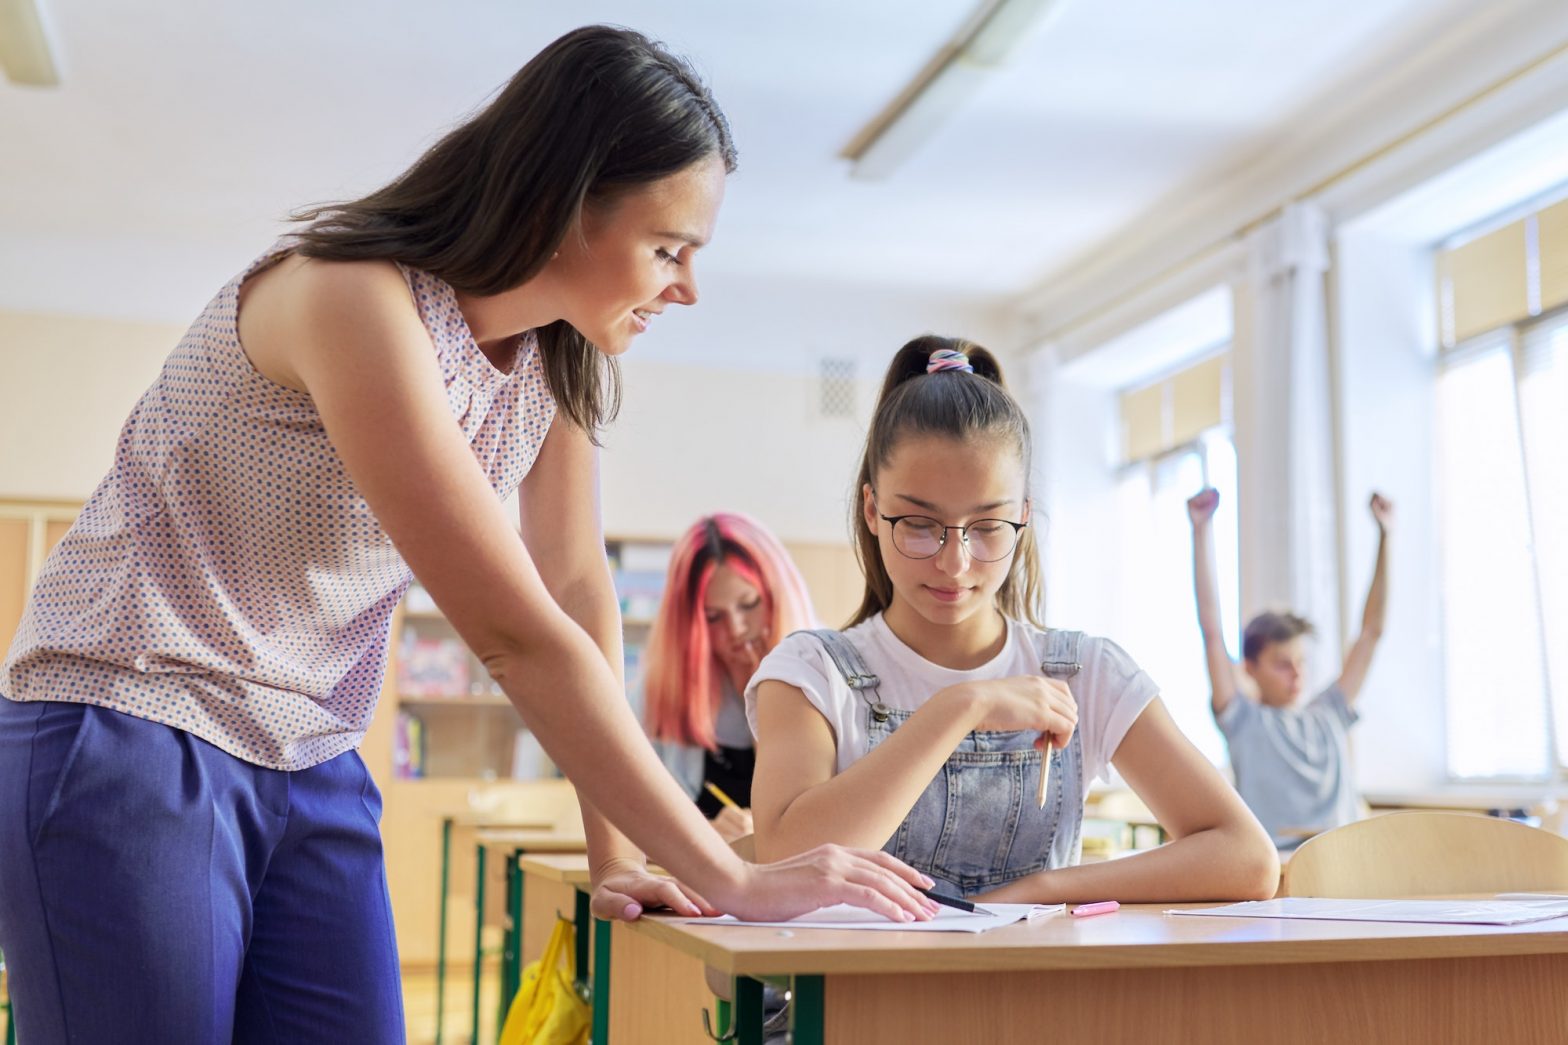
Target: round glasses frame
[963, 535]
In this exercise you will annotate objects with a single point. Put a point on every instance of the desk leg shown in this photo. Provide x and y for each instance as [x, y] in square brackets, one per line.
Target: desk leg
[806, 997]
[748, 1011]
[600, 1034]
[479, 940]
[512, 941]
[446, 867]
[582, 922]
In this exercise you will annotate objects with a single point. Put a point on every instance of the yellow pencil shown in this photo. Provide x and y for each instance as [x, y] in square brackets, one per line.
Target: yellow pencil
[718, 793]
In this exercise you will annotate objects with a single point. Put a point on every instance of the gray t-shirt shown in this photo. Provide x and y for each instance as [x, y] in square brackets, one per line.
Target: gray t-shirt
[1293, 764]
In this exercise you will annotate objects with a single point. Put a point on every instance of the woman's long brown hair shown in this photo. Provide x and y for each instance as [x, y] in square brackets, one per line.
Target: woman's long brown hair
[601, 110]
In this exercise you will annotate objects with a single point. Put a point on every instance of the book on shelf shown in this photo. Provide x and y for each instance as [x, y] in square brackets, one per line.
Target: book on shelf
[433, 667]
[408, 747]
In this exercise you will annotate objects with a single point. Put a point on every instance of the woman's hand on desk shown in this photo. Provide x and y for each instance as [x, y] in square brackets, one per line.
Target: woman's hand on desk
[624, 889]
[828, 875]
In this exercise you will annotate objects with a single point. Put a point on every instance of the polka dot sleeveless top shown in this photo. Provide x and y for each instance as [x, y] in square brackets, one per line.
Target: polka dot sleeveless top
[226, 578]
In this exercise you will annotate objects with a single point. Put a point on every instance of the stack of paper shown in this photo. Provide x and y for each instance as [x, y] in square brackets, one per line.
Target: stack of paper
[1500, 911]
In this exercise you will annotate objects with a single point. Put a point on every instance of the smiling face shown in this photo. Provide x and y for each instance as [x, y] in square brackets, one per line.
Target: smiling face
[955, 482]
[630, 258]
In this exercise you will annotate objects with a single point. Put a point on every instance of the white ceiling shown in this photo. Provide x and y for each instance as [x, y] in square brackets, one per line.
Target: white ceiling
[184, 131]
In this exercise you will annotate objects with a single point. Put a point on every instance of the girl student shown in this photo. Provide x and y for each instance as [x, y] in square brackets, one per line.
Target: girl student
[730, 593]
[923, 727]
[189, 843]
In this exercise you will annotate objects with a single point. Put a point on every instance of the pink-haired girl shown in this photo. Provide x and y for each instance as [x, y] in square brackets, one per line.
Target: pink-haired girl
[731, 593]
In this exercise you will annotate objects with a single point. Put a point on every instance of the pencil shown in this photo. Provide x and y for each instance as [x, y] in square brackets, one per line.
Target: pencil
[947, 901]
[718, 792]
[1045, 772]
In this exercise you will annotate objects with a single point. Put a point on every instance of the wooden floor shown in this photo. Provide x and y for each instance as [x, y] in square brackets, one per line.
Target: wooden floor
[419, 1005]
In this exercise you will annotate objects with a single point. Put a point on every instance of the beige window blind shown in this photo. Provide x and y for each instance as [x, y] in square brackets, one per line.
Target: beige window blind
[1505, 276]
[1175, 410]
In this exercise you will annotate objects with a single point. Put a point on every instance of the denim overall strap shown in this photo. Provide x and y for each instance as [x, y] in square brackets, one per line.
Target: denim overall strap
[852, 666]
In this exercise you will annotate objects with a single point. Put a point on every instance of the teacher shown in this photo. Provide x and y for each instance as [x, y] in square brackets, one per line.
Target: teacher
[189, 841]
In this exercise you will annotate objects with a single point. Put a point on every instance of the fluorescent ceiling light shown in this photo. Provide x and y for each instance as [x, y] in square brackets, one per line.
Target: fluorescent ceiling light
[24, 45]
[948, 80]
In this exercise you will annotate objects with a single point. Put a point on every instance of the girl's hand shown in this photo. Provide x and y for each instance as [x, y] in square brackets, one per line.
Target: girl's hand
[732, 823]
[1382, 512]
[742, 664]
[625, 890]
[1200, 507]
[1028, 702]
[828, 875]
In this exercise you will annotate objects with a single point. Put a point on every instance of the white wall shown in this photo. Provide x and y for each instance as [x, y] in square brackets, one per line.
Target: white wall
[720, 403]
[66, 385]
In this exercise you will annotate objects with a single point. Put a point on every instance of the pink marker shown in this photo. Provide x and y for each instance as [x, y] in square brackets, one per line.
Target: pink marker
[1103, 907]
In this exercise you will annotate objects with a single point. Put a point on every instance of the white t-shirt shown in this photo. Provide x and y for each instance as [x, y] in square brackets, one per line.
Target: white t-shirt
[1111, 690]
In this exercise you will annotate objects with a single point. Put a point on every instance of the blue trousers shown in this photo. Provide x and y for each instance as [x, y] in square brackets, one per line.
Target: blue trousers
[154, 889]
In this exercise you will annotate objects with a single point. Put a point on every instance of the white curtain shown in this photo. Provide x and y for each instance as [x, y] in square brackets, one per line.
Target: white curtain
[1284, 432]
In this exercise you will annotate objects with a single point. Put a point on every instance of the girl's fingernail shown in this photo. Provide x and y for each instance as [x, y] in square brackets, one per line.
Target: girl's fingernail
[632, 910]
[927, 882]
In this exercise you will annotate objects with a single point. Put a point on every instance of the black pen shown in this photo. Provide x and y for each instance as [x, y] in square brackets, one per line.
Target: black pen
[949, 901]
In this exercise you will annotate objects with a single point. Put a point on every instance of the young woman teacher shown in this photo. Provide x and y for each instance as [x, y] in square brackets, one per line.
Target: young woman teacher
[189, 845]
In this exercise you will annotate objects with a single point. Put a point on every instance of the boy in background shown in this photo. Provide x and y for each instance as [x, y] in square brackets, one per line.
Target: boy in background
[1291, 759]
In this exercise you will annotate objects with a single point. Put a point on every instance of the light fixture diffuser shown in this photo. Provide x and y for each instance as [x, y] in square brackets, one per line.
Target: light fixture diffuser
[25, 54]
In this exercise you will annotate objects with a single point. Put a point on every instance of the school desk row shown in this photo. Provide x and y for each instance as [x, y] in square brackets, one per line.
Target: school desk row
[1138, 975]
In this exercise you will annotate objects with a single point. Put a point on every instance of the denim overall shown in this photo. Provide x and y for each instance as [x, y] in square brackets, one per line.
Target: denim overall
[977, 825]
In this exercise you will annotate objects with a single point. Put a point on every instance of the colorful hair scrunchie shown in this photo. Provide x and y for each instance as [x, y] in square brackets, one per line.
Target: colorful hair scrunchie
[948, 359]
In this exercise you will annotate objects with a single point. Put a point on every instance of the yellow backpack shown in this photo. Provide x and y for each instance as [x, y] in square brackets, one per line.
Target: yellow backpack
[548, 1010]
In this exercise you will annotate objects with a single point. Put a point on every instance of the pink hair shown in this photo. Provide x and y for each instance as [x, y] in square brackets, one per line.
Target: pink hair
[681, 676]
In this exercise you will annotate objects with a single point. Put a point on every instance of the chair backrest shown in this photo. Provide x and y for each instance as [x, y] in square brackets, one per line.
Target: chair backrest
[1423, 853]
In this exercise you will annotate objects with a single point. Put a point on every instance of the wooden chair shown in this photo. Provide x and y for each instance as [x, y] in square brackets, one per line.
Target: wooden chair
[1423, 853]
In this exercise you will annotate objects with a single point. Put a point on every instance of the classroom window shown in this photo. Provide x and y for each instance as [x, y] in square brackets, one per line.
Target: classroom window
[1158, 619]
[1502, 454]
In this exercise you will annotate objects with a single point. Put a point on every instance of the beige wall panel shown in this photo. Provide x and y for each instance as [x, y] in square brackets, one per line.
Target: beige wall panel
[1198, 394]
[1143, 422]
[1488, 276]
[1553, 244]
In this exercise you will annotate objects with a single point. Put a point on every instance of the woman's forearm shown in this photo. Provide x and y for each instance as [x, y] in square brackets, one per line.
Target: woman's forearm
[864, 805]
[569, 697]
[592, 604]
[1222, 863]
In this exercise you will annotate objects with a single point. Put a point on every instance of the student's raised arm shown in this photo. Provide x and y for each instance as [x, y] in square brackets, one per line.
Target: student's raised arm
[1222, 670]
[797, 802]
[349, 335]
[1359, 660]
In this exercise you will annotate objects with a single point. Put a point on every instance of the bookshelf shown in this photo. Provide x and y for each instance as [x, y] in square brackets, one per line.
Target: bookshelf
[454, 723]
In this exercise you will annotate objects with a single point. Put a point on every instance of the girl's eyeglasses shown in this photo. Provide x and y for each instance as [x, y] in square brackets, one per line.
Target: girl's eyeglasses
[921, 537]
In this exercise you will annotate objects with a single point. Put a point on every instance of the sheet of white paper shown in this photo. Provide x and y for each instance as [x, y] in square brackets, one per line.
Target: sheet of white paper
[948, 919]
[1450, 912]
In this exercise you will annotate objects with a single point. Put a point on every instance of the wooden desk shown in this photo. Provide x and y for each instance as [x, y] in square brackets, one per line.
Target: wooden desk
[1135, 976]
[549, 885]
[515, 843]
[473, 821]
